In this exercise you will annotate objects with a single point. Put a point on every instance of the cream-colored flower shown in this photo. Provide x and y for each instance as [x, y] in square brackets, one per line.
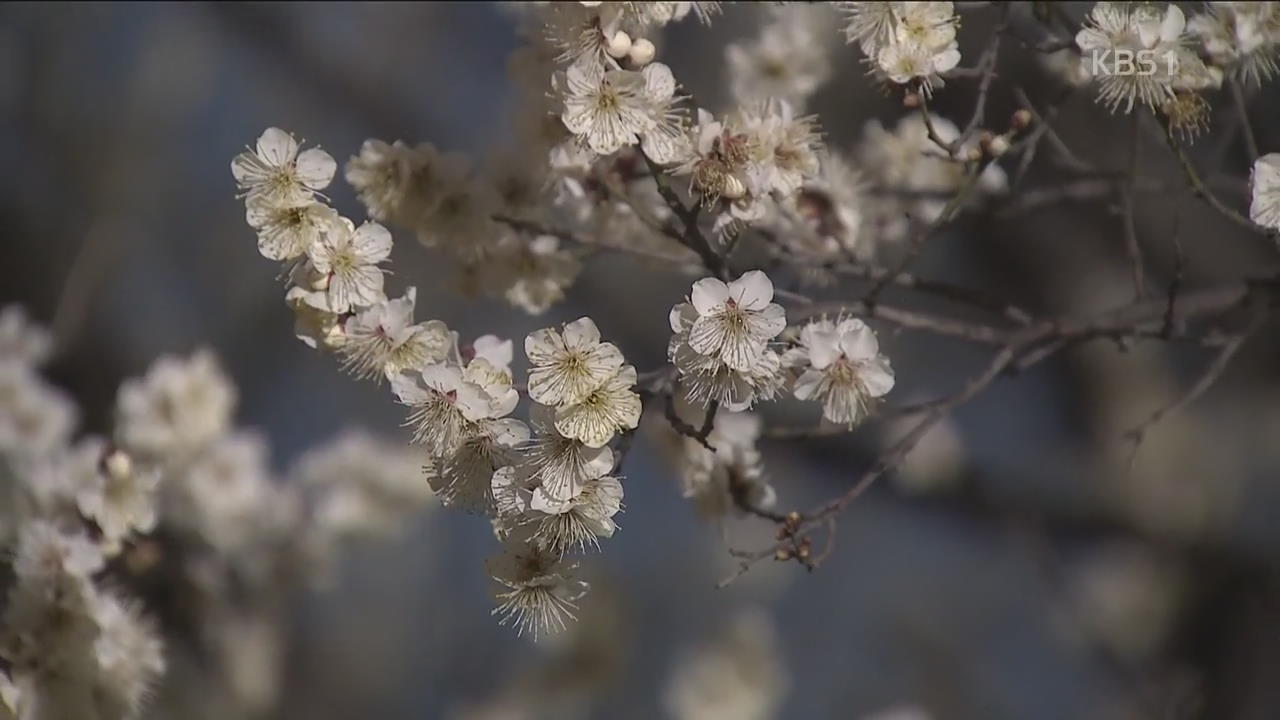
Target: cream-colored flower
[286, 232]
[602, 413]
[558, 465]
[444, 407]
[581, 520]
[383, 341]
[735, 321]
[276, 173]
[349, 257]
[568, 365]
[1264, 183]
[539, 592]
[845, 369]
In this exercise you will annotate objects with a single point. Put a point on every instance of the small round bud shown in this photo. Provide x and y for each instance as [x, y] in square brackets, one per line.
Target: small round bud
[975, 154]
[911, 100]
[1021, 119]
[619, 45]
[781, 554]
[118, 464]
[998, 146]
[733, 188]
[642, 52]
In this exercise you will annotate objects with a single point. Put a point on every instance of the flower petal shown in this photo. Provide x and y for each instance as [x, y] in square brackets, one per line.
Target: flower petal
[709, 295]
[315, 168]
[277, 147]
[752, 291]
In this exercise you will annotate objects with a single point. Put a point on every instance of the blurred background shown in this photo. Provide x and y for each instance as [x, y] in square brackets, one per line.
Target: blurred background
[1017, 567]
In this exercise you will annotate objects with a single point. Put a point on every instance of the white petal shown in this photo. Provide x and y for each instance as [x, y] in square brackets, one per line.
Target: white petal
[824, 348]
[708, 334]
[277, 147]
[659, 83]
[808, 385]
[1174, 23]
[371, 242]
[709, 295]
[752, 291]
[508, 432]
[858, 343]
[442, 377]
[542, 347]
[769, 322]
[315, 168]
[876, 377]
[408, 390]
[581, 333]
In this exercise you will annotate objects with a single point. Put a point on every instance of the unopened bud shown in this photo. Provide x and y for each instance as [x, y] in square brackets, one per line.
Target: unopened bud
[782, 553]
[119, 465]
[975, 154]
[733, 188]
[998, 146]
[642, 52]
[1021, 119]
[619, 45]
[911, 100]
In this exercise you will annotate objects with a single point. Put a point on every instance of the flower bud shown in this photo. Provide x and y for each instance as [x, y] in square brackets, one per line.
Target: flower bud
[118, 464]
[619, 45]
[733, 188]
[1021, 119]
[642, 52]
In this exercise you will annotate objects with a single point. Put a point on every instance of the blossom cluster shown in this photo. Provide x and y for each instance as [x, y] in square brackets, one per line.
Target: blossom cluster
[85, 520]
[547, 489]
[905, 42]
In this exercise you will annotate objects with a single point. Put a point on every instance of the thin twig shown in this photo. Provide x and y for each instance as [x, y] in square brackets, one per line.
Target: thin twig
[1242, 109]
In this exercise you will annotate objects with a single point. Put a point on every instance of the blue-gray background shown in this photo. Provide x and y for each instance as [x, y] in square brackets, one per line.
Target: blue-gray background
[117, 124]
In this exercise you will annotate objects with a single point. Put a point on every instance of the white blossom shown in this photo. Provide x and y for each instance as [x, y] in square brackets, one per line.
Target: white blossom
[923, 45]
[1240, 37]
[1264, 183]
[277, 173]
[712, 479]
[539, 591]
[842, 368]
[464, 479]
[580, 520]
[401, 184]
[383, 340]
[21, 340]
[181, 405]
[444, 406]
[364, 485]
[286, 232]
[607, 410]
[567, 365]
[560, 465]
[35, 418]
[129, 655]
[735, 321]
[1134, 29]
[531, 274]
[315, 322]
[349, 256]
[734, 676]
[788, 60]
[121, 499]
[224, 494]
[606, 109]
